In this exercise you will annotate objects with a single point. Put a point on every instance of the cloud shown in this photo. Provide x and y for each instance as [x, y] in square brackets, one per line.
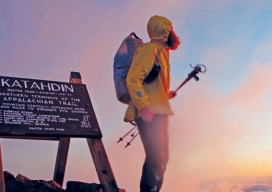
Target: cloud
[239, 185]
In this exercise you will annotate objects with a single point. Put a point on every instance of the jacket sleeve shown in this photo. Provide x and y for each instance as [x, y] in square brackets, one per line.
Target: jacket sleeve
[142, 64]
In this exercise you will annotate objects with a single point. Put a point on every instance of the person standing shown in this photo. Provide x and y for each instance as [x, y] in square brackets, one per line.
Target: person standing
[149, 106]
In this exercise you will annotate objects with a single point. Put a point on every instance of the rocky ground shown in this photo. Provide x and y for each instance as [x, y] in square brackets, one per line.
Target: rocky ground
[21, 183]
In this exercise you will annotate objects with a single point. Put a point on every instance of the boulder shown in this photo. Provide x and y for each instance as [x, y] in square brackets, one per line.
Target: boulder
[24, 184]
[83, 187]
[8, 176]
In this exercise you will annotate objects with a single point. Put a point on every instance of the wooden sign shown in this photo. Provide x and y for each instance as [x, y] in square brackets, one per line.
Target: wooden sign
[41, 108]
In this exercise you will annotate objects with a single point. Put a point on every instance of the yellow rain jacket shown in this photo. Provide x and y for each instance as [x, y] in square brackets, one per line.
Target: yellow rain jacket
[156, 93]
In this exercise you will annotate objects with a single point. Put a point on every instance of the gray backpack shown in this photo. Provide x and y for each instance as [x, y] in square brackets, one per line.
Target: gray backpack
[122, 61]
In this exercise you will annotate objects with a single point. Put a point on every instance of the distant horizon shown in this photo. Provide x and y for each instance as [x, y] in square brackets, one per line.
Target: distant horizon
[238, 183]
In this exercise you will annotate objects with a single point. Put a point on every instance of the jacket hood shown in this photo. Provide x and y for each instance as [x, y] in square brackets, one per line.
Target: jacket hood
[158, 29]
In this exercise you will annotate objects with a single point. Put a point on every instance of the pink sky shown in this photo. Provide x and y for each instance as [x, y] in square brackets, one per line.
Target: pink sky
[222, 124]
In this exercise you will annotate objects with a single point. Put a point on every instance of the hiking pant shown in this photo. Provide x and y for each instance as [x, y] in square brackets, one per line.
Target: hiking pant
[154, 136]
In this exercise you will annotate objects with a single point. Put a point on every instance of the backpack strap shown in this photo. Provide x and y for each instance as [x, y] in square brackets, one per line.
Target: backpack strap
[157, 52]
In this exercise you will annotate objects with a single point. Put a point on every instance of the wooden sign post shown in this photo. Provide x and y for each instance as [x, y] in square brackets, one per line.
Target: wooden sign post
[37, 109]
[2, 179]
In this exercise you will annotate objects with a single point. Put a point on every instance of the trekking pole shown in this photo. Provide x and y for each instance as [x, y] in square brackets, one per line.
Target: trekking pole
[199, 68]
[121, 138]
[133, 137]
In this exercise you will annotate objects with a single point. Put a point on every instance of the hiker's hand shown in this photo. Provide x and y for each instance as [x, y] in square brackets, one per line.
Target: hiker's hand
[172, 94]
[147, 114]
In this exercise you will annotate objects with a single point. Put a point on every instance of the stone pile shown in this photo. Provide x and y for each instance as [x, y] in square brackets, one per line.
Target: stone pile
[21, 183]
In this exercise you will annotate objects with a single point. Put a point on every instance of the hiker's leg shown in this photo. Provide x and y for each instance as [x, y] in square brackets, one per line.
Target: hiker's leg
[154, 136]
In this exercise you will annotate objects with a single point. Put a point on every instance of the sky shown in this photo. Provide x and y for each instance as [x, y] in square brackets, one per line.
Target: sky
[222, 125]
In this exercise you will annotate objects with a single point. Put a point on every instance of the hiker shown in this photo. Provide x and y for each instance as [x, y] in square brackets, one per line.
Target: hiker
[149, 106]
